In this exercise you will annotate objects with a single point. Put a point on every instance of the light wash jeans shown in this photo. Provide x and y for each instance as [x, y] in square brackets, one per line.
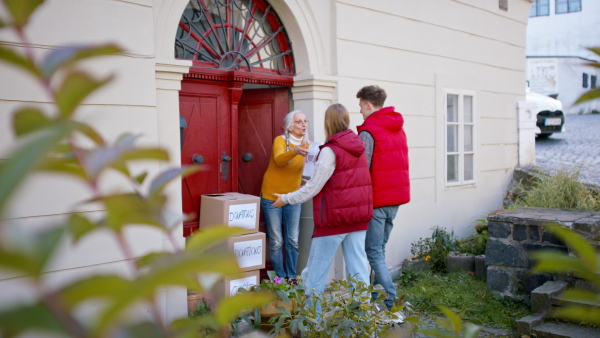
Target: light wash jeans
[378, 234]
[321, 255]
[282, 221]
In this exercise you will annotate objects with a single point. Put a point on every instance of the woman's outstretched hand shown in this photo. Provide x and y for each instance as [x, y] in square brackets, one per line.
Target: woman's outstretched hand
[279, 202]
[299, 150]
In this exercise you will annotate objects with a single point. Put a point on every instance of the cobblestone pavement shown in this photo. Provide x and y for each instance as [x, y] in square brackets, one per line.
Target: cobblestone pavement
[578, 147]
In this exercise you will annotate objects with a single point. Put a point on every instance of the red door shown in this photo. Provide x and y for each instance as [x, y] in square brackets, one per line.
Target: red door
[261, 113]
[207, 141]
[220, 128]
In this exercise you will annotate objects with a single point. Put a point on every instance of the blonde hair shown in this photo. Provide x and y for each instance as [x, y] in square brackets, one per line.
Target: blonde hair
[288, 123]
[336, 119]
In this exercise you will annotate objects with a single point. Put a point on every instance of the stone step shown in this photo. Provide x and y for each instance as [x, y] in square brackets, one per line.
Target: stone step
[560, 301]
[541, 297]
[564, 330]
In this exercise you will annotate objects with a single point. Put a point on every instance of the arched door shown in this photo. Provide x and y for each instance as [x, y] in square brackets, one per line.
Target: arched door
[234, 44]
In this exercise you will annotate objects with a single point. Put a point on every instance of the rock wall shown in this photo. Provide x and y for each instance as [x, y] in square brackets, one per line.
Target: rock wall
[516, 233]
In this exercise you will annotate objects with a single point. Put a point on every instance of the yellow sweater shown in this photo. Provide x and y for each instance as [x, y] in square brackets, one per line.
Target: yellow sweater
[284, 173]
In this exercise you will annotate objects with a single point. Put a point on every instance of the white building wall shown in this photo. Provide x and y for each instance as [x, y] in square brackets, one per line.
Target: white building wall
[565, 38]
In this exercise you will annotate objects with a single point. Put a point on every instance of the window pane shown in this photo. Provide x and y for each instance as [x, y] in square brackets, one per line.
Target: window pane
[574, 5]
[452, 108]
[469, 167]
[468, 138]
[543, 7]
[452, 141]
[533, 10]
[452, 170]
[561, 6]
[468, 108]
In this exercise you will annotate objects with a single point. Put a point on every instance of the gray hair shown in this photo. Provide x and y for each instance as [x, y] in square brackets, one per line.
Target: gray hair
[288, 123]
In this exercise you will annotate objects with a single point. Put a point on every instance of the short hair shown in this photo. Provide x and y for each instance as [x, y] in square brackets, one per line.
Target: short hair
[288, 123]
[336, 119]
[374, 94]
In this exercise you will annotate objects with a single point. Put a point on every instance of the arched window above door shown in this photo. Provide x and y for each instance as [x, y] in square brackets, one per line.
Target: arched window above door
[234, 35]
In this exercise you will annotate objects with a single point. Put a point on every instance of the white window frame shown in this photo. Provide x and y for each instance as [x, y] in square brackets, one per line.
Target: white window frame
[461, 123]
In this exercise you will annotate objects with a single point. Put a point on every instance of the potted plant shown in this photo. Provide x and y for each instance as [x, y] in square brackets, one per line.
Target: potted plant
[290, 292]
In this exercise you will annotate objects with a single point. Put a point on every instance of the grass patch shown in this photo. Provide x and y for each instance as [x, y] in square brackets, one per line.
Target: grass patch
[463, 292]
[562, 190]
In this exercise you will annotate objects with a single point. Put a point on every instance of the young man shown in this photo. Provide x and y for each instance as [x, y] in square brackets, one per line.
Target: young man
[387, 156]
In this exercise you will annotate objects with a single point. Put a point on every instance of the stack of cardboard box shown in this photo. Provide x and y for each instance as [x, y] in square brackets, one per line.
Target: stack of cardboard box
[239, 210]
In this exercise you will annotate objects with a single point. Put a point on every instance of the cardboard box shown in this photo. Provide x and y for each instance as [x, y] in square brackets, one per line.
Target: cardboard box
[231, 209]
[249, 250]
[228, 287]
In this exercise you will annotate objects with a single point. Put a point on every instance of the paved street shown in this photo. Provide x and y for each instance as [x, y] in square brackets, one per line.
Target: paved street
[579, 146]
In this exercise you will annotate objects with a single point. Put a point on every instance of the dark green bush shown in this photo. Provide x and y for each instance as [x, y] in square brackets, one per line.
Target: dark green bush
[436, 248]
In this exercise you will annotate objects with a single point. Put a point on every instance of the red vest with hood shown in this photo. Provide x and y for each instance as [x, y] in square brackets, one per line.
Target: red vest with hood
[345, 204]
[389, 163]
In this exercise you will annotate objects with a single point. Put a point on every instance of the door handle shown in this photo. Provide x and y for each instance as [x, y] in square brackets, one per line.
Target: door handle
[197, 159]
[224, 167]
[247, 157]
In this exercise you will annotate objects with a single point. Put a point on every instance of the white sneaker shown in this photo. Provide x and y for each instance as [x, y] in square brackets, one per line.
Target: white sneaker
[400, 318]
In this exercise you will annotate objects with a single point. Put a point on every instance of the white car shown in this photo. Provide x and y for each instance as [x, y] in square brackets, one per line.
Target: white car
[550, 116]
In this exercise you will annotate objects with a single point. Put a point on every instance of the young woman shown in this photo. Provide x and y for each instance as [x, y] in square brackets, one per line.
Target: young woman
[342, 202]
[284, 174]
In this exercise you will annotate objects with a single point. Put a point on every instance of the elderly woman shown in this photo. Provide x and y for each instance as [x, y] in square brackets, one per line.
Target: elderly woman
[342, 203]
[284, 174]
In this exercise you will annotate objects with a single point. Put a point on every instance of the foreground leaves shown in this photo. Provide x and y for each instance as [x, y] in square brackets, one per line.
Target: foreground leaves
[584, 263]
[453, 326]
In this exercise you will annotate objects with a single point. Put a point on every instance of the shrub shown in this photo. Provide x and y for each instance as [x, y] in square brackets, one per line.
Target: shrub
[347, 309]
[436, 248]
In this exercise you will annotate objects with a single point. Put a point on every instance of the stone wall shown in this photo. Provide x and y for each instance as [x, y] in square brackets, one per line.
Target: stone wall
[516, 233]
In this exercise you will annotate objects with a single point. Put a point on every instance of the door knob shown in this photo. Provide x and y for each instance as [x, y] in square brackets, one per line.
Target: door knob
[198, 159]
[247, 157]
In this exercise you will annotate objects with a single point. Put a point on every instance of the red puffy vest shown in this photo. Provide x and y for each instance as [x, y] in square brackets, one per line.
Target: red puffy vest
[389, 164]
[345, 204]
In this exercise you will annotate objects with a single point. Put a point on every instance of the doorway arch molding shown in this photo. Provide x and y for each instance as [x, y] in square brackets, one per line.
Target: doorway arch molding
[306, 41]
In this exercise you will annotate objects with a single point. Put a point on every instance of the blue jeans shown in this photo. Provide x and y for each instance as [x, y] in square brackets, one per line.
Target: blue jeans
[282, 221]
[378, 234]
[321, 255]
